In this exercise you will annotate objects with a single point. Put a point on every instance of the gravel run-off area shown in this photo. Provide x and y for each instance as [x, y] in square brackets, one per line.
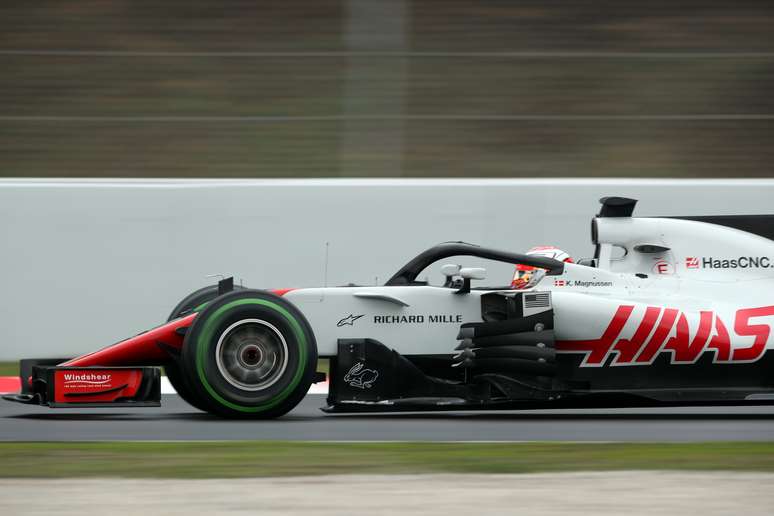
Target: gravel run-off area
[631, 493]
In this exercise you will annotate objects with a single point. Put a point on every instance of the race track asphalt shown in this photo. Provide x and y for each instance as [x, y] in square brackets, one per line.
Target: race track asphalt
[175, 420]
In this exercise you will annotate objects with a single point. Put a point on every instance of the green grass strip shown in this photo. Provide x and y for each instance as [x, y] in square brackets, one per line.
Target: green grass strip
[9, 368]
[262, 458]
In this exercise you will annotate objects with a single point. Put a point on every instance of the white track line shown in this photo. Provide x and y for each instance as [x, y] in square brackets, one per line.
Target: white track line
[377, 117]
[529, 54]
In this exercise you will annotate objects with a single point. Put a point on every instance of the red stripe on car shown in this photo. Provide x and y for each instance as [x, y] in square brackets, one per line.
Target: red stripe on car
[282, 291]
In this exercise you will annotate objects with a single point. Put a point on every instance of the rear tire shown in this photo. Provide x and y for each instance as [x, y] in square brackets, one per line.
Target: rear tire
[249, 354]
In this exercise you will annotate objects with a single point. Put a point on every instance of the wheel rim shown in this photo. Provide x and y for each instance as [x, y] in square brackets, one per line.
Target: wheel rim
[251, 354]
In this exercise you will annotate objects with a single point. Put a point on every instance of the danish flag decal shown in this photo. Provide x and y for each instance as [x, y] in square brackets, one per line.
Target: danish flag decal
[650, 338]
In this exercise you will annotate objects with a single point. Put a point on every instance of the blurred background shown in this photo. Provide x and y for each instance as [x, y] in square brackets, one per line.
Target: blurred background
[375, 88]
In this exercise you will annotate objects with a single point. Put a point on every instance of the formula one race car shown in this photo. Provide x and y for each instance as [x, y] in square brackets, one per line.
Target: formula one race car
[670, 311]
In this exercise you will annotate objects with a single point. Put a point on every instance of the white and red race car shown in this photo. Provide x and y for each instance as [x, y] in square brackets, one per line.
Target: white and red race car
[670, 311]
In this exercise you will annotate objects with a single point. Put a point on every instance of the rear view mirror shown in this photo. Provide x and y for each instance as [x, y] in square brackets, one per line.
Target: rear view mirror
[474, 273]
[470, 273]
[450, 269]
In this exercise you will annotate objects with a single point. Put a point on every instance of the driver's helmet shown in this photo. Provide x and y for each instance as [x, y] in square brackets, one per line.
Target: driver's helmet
[526, 276]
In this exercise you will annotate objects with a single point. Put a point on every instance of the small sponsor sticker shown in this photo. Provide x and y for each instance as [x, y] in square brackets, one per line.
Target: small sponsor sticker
[361, 377]
[582, 283]
[691, 262]
[76, 380]
[739, 262]
[663, 267]
[349, 320]
[95, 385]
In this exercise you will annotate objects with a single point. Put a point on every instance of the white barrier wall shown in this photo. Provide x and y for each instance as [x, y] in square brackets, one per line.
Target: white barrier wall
[85, 263]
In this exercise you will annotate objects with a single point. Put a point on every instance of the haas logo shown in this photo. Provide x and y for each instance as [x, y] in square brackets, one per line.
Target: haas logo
[662, 330]
[691, 262]
[359, 377]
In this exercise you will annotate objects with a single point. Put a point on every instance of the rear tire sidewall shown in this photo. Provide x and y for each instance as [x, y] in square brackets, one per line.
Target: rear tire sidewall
[208, 383]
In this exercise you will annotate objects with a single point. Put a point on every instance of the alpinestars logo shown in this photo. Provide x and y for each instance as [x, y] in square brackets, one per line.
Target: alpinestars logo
[348, 320]
[741, 262]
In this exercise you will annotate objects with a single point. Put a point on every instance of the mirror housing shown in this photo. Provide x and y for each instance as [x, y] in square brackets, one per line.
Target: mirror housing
[470, 273]
[473, 273]
[450, 269]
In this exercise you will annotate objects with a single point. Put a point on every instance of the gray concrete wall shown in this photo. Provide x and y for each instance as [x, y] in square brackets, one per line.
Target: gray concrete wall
[86, 263]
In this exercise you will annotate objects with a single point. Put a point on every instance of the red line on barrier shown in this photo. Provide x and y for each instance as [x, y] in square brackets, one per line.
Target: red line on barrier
[10, 384]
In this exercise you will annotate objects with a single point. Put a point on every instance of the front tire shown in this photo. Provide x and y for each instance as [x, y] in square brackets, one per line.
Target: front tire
[174, 372]
[249, 354]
